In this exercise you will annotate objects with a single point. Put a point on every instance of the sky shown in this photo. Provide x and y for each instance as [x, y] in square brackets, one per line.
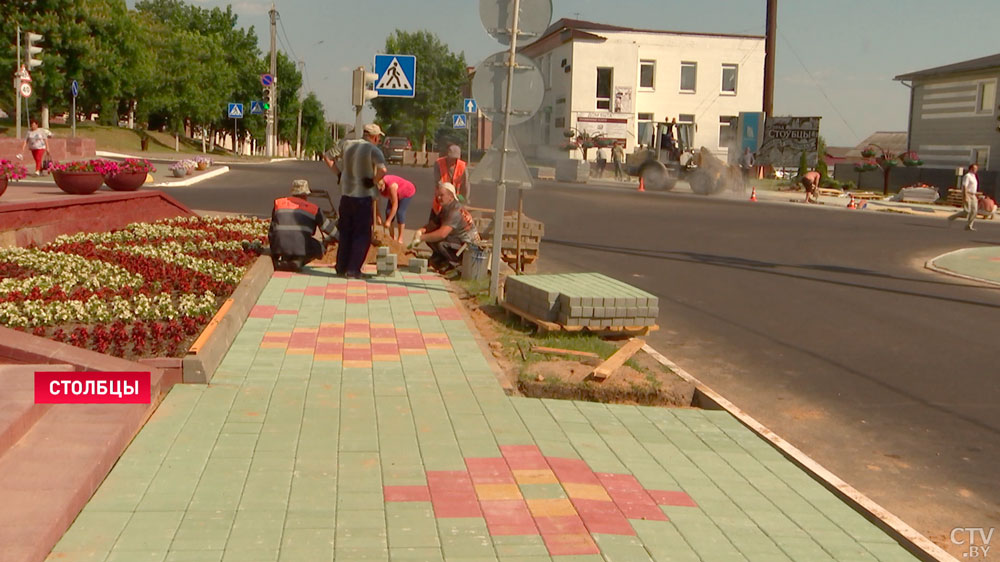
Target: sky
[835, 58]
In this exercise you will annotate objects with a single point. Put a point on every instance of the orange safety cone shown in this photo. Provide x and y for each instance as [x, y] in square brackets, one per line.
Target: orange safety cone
[753, 194]
[642, 184]
[852, 204]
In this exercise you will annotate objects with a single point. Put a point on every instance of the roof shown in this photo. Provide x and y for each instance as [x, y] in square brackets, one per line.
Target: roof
[982, 63]
[892, 141]
[580, 29]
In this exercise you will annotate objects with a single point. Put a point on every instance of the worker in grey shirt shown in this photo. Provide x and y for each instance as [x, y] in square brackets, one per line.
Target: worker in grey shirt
[360, 166]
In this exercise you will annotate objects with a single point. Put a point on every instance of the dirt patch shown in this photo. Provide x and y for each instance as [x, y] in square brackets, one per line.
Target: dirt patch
[569, 380]
[642, 381]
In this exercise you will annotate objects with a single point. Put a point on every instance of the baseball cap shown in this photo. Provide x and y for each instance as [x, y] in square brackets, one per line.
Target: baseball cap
[372, 129]
[447, 187]
[300, 187]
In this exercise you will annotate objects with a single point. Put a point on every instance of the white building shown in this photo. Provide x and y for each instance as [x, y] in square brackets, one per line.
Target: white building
[610, 79]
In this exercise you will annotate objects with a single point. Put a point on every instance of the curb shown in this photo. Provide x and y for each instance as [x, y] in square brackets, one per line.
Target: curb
[194, 180]
[507, 387]
[908, 537]
[929, 264]
[203, 359]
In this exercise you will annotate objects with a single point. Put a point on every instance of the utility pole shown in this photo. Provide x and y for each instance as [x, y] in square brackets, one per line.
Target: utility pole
[769, 48]
[271, 130]
[17, 86]
[298, 129]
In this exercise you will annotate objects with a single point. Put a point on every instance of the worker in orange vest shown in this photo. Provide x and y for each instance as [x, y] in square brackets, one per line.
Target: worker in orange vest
[452, 169]
[294, 221]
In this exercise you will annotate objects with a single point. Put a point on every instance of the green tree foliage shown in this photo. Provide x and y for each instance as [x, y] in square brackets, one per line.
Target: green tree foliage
[440, 77]
[821, 167]
[803, 164]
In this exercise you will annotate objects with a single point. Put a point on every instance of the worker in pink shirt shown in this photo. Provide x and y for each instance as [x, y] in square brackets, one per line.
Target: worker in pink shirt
[398, 191]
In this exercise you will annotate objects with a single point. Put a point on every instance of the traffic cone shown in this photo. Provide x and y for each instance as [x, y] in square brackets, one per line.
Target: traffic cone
[753, 194]
[642, 184]
[852, 204]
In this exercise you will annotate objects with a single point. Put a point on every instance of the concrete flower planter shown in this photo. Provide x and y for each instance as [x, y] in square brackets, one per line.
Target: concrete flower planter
[576, 171]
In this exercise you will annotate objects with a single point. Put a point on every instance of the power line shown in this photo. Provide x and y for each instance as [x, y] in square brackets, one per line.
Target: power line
[820, 87]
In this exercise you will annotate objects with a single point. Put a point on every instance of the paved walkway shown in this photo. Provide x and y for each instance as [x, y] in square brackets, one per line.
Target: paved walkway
[979, 264]
[356, 420]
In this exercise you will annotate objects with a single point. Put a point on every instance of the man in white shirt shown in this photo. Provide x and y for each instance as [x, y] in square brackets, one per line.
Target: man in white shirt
[970, 188]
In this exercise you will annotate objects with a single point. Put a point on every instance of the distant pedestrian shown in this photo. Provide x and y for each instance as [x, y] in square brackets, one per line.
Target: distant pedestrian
[746, 166]
[36, 141]
[970, 198]
[618, 159]
[360, 166]
[397, 192]
[602, 160]
[810, 181]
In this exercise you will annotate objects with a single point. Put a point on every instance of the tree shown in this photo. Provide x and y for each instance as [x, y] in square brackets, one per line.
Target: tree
[878, 158]
[821, 167]
[803, 164]
[440, 77]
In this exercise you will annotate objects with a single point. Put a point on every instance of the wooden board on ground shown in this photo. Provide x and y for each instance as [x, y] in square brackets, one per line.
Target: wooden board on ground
[544, 326]
[867, 195]
[831, 192]
[617, 359]
[584, 356]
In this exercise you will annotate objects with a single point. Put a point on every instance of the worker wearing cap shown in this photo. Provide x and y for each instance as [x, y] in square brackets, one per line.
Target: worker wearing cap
[449, 230]
[361, 167]
[452, 169]
[294, 221]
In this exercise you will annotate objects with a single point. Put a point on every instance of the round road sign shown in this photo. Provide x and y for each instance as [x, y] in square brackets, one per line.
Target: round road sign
[25, 90]
[498, 17]
[489, 88]
[266, 79]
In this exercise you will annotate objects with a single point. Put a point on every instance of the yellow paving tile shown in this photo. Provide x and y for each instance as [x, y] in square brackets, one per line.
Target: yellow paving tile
[387, 358]
[277, 334]
[383, 325]
[299, 351]
[437, 346]
[357, 334]
[535, 476]
[384, 340]
[273, 345]
[358, 364]
[413, 352]
[553, 507]
[329, 340]
[327, 357]
[498, 492]
[349, 345]
[331, 325]
[586, 491]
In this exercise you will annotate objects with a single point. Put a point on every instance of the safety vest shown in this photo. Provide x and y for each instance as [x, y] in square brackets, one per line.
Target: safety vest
[453, 179]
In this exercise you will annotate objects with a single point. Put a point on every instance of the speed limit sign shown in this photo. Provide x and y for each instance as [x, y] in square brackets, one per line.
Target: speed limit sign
[25, 89]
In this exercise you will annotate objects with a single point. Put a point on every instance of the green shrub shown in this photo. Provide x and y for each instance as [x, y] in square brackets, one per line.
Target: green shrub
[803, 165]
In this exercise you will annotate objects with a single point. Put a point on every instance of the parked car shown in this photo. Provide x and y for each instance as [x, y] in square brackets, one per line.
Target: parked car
[393, 148]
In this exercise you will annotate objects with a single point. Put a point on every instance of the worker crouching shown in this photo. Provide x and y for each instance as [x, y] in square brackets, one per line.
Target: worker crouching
[449, 231]
[294, 222]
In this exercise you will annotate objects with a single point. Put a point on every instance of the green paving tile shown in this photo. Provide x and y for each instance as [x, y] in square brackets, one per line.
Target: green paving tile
[194, 556]
[149, 531]
[520, 546]
[411, 525]
[618, 548]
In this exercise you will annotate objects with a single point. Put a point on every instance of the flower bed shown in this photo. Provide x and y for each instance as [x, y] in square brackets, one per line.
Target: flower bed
[147, 290]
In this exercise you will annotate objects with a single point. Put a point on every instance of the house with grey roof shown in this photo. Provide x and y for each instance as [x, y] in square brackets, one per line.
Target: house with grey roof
[954, 113]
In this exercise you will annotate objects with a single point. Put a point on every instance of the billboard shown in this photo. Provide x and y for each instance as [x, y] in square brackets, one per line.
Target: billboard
[786, 138]
[610, 127]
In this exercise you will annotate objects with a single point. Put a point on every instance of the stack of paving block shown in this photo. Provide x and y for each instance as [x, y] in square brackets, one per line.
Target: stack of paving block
[531, 234]
[418, 265]
[582, 299]
[385, 261]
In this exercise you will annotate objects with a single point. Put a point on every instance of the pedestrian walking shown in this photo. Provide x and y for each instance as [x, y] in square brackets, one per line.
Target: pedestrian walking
[618, 159]
[36, 141]
[602, 160]
[360, 166]
[397, 192]
[970, 198]
[746, 167]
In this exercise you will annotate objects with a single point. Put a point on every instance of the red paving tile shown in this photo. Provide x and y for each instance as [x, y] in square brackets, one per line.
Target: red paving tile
[357, 354]
[573, 471]
[523, 457]
[570, 544]
[664, 497]
[603, 517]
[406, 493]
[560, 525]
[489, 471]
[263, 311]
[508, 517]
[449, 313]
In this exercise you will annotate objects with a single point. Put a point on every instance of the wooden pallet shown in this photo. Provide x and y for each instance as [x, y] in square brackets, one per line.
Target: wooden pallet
[544, 326]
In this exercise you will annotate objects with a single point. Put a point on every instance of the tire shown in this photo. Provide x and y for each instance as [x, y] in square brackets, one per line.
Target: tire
[656, 176]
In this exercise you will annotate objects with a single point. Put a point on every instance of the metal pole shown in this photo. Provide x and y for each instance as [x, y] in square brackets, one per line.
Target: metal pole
[520, 211]
[502, 185]
[236, 136]
[272, 112]
[298, 129]
[468, 142]
[769, 47]
[74, 117]
[17, 87]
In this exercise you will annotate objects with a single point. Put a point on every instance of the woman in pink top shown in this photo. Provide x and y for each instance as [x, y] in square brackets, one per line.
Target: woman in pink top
[398, 191]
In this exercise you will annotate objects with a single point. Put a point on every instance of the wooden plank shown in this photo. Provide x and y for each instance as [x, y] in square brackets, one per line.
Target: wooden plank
[542, 324]
[567, 352]
[618, 359]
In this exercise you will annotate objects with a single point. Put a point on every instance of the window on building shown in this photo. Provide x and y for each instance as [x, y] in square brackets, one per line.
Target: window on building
[689, 76]
[604, 81]
[730, 75]
[647, 74]
[987, 97]
[685, 118]
[727, 130]
[645, 116]
[981, 156]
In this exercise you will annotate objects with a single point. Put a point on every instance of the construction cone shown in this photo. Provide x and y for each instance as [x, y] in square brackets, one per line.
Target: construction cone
[753, 194]
[642, 184]
[852, 204]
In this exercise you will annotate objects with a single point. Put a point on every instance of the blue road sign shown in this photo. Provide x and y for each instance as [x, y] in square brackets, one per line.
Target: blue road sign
[397, 76]
[236, 111]
[75, 88]
[470, 105]
[458, 121]
[256, 108]
[266, 79]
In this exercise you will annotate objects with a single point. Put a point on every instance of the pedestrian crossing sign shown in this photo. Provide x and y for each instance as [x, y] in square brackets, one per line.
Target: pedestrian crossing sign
[256, 108]
[458, 121]
[235, 110]
[397, 76]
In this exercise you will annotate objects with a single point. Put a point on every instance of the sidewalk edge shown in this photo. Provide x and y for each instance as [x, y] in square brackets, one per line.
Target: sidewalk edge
[194, 180]
[506, 385]
[929, 264]
[908, 537]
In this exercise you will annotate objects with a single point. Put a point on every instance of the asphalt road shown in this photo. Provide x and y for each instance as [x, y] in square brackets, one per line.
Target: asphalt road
[821, 323]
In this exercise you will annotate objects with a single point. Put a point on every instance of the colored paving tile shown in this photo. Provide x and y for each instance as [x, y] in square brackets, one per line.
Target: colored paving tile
[357, 420]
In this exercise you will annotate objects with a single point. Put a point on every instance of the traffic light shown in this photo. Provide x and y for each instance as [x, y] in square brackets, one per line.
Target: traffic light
[359, 90]
[33, 50]
[267, 98]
